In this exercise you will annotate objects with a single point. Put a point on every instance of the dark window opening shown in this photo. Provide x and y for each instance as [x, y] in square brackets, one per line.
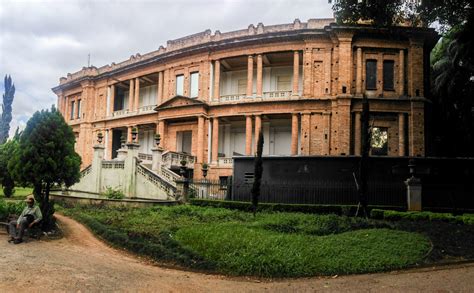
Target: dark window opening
[371, 74]
[119, 99]
[388, 67]
[79, 109]
[71, 117]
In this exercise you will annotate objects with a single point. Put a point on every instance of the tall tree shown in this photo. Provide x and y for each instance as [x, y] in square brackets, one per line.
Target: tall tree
[6, 153]
[6, 116]
[446, 13]
[453, 86]
[258, 171]
[45, 157]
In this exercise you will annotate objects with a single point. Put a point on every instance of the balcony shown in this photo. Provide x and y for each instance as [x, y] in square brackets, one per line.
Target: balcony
[225, 162]
[277, 94]
[173, 159]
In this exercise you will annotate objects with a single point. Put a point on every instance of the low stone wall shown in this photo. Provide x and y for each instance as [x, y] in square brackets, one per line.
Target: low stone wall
[95, 200]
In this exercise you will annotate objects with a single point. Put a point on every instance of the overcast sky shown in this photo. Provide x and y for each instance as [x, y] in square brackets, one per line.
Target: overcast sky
[41, 41]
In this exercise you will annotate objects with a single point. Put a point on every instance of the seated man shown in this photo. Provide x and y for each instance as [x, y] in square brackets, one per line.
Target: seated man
[30, 216]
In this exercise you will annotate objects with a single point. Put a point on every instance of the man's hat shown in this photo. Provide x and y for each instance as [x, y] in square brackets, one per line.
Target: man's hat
[30, 198]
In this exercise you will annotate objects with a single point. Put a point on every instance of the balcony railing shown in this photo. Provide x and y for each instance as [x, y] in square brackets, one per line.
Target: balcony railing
[174, 159]
[277, 94]
[120, 113]
[231, 98]
[145, 157]
[146, 109]
[225, 161]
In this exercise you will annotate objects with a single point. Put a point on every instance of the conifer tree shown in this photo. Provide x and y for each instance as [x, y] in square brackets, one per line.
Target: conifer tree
[45, 157]
[6, 116]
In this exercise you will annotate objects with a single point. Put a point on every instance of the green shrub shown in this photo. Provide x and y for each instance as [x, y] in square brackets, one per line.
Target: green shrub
[112, 193]
[10, 208]
[390, 215]
[377, 214]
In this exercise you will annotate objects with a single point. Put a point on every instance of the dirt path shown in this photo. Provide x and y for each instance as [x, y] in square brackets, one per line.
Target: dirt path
[81, 263]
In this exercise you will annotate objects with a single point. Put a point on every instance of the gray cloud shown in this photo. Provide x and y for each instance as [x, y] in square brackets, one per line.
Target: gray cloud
[41, 41]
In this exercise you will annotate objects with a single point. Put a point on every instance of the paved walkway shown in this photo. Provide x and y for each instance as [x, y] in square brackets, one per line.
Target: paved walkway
[81, 263]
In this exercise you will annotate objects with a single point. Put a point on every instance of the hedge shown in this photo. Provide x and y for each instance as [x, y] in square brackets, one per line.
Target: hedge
[278, 207]
[392, 215]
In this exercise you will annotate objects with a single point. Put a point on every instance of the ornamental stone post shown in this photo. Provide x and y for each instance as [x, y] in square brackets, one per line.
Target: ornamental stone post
[97, 166]
[157, 156]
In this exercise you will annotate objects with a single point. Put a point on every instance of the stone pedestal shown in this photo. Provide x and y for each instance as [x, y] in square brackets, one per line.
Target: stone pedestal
[182, 187]
[413, 193]
[99, 151]
[157, 154]
[130, 166]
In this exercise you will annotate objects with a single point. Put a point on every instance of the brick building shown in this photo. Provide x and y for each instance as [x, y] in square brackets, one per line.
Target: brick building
[301, 84]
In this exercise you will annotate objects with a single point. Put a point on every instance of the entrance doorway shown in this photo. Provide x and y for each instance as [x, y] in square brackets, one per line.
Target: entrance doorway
[184, 141]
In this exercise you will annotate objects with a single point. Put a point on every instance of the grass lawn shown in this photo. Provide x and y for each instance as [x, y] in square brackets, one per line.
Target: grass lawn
[20, 192]
[269, 245]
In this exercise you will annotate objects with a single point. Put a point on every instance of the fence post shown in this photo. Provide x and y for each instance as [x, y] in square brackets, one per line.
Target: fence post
[228, 195]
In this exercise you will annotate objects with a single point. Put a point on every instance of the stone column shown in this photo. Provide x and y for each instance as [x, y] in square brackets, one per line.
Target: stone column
[200, 140]
[357, 134]
[217, 79]
[401, 134]
[258, 128]
[305, 133]
[250, 76]
[296, 72]
[159, 97]
[401, 73]
[130, 95]
[294, 134]
[215, 140]
[137, 94]
[162, 132]
[112, 99]
[129, 134]
[359, 72]
[259, 76]
[248, 135]
[108, 143]
[416, 126]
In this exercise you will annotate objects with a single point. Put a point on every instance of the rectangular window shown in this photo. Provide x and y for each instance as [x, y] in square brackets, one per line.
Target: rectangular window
[283, 83]
[379, 141]
[194, 85]
[79, 109]
[71, 117]
[388, 66]
[371, 74]
[241, 86]
[179, 85]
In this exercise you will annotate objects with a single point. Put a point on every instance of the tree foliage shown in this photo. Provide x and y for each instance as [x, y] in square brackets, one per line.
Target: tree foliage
[453, 87]
[45, 157]
[446, 13]
[6, 179]
[6, 116]
[258, 171]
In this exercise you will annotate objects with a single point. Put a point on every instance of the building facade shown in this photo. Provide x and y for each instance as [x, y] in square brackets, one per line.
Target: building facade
[301, 84]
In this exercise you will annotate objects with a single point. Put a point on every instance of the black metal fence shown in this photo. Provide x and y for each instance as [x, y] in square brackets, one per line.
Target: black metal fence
[323, 192]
